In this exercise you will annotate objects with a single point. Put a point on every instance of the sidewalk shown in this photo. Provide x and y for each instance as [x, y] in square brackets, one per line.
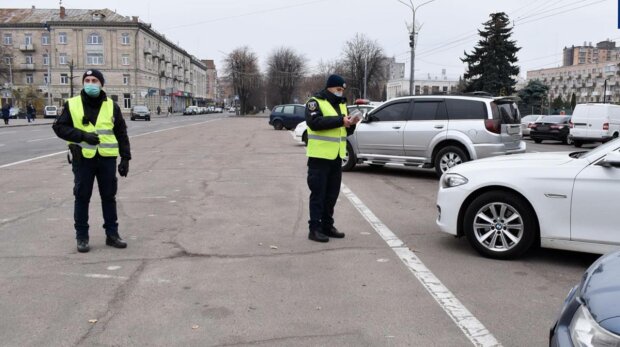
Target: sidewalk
[24, 122]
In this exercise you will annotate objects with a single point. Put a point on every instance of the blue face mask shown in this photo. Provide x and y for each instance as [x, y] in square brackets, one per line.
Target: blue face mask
[92, 89]
[338, 94]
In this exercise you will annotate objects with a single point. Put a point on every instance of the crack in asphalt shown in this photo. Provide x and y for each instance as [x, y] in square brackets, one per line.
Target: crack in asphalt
[286, 338]
[114, 305]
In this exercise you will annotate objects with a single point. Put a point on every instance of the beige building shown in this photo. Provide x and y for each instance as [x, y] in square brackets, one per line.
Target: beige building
[587, 81]
[212, 90]
[604, 51]
[47, 49]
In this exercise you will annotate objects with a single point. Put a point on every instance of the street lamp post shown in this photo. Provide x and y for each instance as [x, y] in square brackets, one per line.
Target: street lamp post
[412, 42]
[49, 77]
[605, 91]
[71, 76]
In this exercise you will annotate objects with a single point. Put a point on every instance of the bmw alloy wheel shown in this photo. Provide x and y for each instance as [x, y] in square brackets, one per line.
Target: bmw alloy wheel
[498, 227]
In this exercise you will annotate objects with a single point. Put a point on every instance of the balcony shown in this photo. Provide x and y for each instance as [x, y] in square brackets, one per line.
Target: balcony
[148, 51]
[26, 48]
[26, 66]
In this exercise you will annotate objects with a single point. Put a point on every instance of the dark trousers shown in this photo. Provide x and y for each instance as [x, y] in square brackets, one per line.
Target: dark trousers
[324, 177]
[85, 171]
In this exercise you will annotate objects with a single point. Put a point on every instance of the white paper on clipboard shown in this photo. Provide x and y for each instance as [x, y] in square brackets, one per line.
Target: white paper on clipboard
[356, 115]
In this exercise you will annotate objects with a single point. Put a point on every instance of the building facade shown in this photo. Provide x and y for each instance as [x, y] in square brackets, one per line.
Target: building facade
[428, 86]
[589, 82]
[604, 51]
[48, 50]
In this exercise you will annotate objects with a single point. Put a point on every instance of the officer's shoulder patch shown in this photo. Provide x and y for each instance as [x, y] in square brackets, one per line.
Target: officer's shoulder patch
[312, 105]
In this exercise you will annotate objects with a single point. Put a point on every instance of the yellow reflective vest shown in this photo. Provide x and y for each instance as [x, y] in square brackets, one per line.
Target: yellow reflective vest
[108, 146]
[330, 143]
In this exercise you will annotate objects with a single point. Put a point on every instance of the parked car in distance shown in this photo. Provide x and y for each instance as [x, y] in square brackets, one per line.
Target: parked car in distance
[436, 132]
[595, 123]
[140, 112]
[50, 111]
[218, 110]
[15, 112]
[287, 116]
[190, 110]
[505, 205]
[552, 128]
[528, 121]
[590, 315]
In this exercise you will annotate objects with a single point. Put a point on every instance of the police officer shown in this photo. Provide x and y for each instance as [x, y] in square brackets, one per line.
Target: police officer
[328, 127]
[96, 131]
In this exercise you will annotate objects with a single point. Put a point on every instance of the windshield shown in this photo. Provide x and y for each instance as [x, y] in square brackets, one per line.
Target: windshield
[555, 119]
[141, 109]
[602, 150]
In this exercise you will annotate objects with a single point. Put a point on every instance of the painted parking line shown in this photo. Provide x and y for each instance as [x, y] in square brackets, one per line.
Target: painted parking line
[43, 139]
[465, 320]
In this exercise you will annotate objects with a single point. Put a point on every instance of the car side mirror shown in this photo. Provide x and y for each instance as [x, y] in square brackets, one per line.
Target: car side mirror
[611, 160]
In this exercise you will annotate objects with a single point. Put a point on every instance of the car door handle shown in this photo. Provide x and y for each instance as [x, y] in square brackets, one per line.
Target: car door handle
[439, 126]
[396, 127]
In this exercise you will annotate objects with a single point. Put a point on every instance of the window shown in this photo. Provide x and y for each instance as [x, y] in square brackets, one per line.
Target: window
[94, 58]
[46, 59]
[62, 38]
[429, 110]
[8, 39]
[393, 112]
[28, 39]
[29, 59]
[466, 109]
[45, 39]
[29, 78]
[290, 109]
[127, 100]
[64, 78]
[62, 59]
[45, 78]
[7, 60]
[125, 39]
[125, 59]
[94, 39]
[278, 109]
[125, 79]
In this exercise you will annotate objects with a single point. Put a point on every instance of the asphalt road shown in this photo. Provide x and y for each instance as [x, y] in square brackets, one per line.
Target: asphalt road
[215, 213]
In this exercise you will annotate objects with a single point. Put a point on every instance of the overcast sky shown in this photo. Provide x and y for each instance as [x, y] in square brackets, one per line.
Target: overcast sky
[318, 29]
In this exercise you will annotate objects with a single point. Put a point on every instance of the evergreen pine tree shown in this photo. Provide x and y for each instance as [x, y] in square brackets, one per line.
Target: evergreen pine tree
[491, 65]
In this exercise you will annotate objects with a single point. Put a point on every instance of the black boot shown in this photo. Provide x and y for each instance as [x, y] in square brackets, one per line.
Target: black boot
[316, 235]
[115, 241]
[333, 232]
[82, 246]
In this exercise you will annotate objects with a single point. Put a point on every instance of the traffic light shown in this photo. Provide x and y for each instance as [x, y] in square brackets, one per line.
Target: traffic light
[411, 40]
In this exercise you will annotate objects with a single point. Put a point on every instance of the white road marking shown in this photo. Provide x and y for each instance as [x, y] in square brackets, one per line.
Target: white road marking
[7, 132]
[47, 138]
[473, 329]
[62, 152]
[113, 267]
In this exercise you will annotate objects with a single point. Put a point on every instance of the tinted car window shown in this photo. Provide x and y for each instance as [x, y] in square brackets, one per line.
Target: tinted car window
[278, 109]
[428, 110]
[392, 112]
[466, 109]
[300, 111]
[140, 109]
[508, 113]
[290, 109]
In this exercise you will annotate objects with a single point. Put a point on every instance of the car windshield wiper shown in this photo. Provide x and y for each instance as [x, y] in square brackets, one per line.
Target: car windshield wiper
[577, 154]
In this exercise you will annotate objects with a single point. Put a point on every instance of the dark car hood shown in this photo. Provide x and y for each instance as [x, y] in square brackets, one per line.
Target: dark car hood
[600, 291]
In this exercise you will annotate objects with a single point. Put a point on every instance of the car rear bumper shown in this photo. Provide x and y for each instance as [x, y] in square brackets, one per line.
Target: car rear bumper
[491, 150]
[551, 135]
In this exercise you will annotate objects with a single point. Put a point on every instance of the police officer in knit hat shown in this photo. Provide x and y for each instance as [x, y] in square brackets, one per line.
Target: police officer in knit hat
[328, 127]
[96, 133]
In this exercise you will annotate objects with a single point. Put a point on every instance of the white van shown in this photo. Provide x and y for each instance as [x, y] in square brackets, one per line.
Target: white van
[595, 123]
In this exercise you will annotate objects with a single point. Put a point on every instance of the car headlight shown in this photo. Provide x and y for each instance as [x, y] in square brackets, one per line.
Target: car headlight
[585, 331]
[450, 180]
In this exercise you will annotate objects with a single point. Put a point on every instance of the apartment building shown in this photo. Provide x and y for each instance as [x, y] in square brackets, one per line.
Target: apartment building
[604, 51]
[48, 50]
[588, 81]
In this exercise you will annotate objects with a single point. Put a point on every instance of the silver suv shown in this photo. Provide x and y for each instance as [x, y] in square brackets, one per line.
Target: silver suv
[435, 131]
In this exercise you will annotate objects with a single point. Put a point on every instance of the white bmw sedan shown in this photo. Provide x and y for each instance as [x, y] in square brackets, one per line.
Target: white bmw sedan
[504, 205]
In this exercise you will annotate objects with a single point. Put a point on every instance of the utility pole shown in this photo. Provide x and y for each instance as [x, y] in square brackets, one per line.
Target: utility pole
[605, 91]
[412, 35]
[49, 66]
[365, 73]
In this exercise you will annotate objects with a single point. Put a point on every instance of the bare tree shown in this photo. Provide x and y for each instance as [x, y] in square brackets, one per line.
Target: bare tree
[285, 71]
[364, 57]
[5, 54]
[242, 68]
[316, 81]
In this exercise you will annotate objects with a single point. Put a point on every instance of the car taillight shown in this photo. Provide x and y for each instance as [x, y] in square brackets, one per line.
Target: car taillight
[532, 125]
[493, 125]
[605, 126]
[571, 124]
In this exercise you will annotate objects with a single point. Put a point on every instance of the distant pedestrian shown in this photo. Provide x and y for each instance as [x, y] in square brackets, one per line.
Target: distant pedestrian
[169, 110]
[29, 112]
[158, 110]
[6, 112]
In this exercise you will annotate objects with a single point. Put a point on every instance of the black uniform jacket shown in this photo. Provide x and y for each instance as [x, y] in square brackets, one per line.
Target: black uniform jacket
[63, 126]
[315, 119]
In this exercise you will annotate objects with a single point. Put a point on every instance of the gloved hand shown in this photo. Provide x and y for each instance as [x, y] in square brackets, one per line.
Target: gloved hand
[91, 138]
[123, 167]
